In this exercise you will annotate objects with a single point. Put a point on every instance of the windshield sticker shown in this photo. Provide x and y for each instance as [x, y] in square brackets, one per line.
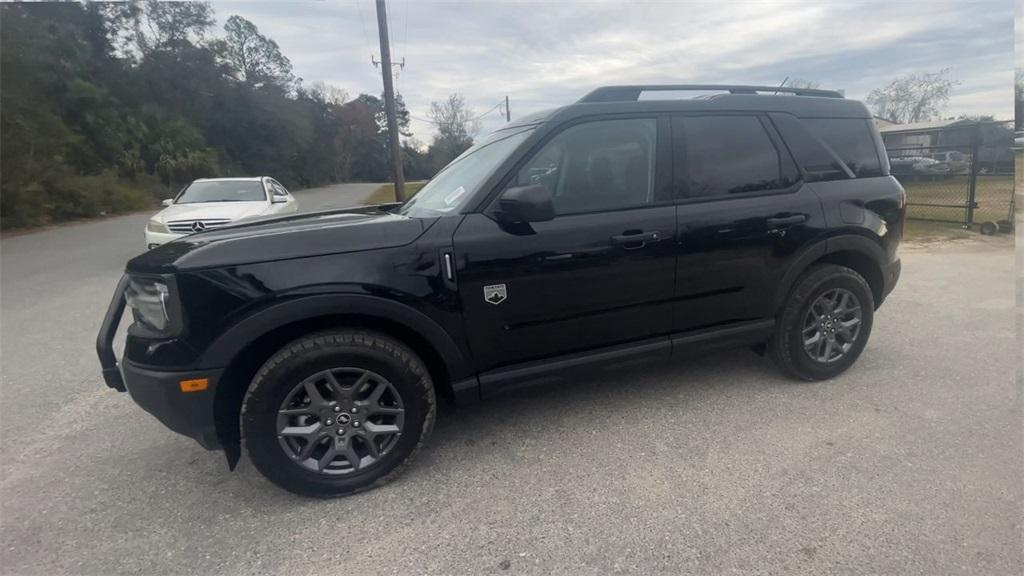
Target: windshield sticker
[454, 196]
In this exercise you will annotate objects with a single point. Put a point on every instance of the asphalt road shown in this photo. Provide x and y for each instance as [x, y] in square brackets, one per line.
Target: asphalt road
[910, 463]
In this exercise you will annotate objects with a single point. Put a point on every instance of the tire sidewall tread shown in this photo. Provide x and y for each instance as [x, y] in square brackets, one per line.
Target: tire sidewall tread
[785, 347]
[266, 388]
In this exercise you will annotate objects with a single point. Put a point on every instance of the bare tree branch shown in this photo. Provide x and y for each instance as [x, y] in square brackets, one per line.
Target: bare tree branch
[912, 98]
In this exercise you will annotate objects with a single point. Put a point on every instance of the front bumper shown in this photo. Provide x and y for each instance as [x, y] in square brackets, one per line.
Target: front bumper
[159, 392]
[890, 276]
[187, 413]
[154, 239]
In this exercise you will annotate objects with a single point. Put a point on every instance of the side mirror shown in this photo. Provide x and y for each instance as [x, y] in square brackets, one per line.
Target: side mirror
[168, 201]
[275, 199]
[527, 204]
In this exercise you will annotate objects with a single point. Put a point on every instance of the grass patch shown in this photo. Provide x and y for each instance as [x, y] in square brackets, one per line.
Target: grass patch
[386, 192]
[931, 231]
[946, 198]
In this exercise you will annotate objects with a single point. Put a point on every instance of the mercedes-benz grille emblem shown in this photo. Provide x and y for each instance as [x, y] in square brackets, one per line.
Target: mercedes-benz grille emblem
[198, 226]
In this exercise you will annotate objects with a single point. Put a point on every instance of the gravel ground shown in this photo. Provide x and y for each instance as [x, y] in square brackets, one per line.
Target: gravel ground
[910, 463]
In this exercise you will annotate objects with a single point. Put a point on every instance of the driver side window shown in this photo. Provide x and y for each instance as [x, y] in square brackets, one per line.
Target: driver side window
[596, 166]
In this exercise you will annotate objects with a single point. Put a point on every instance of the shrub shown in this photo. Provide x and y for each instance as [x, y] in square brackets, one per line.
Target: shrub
[105, 193]
[69, 197]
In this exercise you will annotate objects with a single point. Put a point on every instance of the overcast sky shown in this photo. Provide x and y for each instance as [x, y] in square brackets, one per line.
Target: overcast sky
[545, 54]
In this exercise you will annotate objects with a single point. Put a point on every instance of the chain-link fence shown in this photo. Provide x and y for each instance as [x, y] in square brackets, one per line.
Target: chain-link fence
[961, 173]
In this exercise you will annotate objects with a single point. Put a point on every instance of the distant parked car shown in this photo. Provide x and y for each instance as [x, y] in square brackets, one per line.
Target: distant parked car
[210, 203]
[951, 162]
[909, 165]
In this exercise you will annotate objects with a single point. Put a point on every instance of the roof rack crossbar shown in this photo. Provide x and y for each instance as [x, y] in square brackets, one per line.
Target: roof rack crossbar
[629, 93]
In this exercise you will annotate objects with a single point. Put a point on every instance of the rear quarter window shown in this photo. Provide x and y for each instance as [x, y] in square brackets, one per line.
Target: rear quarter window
[851, 139]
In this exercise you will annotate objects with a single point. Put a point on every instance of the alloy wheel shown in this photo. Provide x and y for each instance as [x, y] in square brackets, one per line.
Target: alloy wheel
[831, 325]
[340, 421]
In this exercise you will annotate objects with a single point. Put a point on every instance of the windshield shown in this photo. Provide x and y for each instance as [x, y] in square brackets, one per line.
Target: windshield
[455, 184]
[223, 191]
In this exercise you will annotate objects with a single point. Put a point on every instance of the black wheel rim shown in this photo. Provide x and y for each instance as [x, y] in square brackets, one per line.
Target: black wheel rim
[340, 421]
[832, 325]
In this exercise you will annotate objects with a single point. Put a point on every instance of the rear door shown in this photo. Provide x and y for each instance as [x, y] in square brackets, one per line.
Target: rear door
[600, 273]
[744, 213]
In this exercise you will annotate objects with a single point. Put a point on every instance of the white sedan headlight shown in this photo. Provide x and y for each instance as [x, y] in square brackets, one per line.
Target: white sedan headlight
[156, 226]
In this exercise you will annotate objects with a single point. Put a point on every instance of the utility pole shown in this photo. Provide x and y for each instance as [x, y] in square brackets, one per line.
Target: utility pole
[508, 114]
[389, 102]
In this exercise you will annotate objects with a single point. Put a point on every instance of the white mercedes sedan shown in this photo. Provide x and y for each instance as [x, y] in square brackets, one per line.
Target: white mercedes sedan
[214, 202]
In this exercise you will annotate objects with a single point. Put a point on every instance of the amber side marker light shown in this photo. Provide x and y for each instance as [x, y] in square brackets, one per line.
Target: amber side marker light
[197, 385]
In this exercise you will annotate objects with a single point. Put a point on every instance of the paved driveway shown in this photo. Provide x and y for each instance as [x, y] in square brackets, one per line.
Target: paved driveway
[910, 463]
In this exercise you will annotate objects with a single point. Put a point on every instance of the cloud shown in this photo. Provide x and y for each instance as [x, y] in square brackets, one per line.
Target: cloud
[548, 54]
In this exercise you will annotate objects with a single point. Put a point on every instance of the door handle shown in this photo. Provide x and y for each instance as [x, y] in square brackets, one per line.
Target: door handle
[787, 220]
[636, 240]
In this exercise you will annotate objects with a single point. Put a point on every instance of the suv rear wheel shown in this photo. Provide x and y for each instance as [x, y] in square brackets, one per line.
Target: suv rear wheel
[825, 324]
[337, 412]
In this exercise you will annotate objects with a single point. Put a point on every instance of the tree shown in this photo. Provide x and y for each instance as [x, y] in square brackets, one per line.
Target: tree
[116, 105]
[329, 93]
[160, 25]
[252, 57]
[801, 83]
[456, 125]
[401, 113]
[912, 98]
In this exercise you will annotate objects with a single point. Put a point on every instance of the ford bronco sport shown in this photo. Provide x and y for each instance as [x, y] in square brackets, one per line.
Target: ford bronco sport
[624, 229]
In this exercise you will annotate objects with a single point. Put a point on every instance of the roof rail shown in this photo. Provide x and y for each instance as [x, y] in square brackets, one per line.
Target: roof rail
[631, 93]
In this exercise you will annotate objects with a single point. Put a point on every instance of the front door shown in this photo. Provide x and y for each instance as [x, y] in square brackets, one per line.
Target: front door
[600, 273]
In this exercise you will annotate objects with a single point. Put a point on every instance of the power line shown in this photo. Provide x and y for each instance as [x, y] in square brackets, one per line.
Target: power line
[488, 112]
[474, 118]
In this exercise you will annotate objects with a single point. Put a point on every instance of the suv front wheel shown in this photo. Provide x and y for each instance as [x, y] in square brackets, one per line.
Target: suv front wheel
[337, 412]
[825, 324]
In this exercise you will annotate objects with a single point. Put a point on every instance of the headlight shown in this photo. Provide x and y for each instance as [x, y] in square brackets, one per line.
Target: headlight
[156, 226]
[152, 305]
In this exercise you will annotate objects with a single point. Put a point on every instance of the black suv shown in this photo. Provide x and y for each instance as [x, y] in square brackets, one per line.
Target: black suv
[619, 230]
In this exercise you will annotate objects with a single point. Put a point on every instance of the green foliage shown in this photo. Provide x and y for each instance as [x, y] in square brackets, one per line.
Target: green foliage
[119, 104]
[60, 197]
[77, 196]
[252, 57]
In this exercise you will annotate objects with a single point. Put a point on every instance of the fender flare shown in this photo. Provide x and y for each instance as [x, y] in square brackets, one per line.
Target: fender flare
[229, 344]
[820, 249]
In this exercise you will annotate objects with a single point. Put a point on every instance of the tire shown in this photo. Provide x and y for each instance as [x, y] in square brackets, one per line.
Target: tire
[344, 391]
[816, 288]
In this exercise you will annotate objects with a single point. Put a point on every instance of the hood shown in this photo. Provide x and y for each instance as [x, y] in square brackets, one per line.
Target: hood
[295, 236]
[212, 210]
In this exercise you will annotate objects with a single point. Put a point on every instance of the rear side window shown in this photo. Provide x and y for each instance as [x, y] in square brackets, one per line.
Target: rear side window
[818, 163]
[724, 155]
[851, 140]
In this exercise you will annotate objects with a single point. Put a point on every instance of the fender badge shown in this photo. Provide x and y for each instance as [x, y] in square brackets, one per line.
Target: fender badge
[495, 293]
